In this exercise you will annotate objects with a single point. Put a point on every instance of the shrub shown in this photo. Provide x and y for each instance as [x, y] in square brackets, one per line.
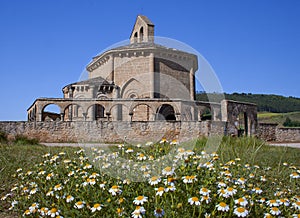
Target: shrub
[24, 140]
[3, 137]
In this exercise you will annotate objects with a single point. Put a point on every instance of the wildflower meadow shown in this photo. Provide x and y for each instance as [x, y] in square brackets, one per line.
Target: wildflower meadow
[243, 178]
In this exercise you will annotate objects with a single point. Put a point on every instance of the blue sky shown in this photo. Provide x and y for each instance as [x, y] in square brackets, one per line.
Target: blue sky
[253, 45]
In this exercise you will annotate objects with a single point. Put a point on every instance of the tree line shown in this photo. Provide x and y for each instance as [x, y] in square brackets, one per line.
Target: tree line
[268, 103]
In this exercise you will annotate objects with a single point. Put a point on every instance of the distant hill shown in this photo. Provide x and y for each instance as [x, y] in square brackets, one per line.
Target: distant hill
[268, 103]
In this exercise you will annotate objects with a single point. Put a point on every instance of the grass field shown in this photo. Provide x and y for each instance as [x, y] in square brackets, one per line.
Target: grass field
[247, 159]
[279, 118]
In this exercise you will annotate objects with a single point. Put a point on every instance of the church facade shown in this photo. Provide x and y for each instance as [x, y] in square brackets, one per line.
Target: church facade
[141, 81]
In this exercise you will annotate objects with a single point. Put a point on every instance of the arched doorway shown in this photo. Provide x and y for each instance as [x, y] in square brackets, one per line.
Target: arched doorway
[165, 112]
[96, 112]
[51, 112]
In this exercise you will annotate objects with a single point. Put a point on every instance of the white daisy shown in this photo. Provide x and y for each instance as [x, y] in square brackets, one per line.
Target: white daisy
[140, 200]
[241, 212]
[194, 200]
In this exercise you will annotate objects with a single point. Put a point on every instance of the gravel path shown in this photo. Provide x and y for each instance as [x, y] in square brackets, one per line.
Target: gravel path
[293, 145]
[75, 144]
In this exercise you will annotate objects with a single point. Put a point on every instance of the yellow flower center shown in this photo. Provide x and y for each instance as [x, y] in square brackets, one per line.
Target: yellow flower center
[195, 199]
[154, 178]
[272, 201]
[223, 204]
[275, 209]
[96, 205]
[79, 203]
[241, 200]
[114, 187]
[240, 209]
[139, 198]
[204, 189]
[230, 189]
[53, 210]
[168, 169]
[160, 189]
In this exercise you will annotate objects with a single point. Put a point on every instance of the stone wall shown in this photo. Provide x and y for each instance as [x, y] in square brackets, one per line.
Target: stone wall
[104, 131]
[267, 131]
[271, 132]
[288, 134]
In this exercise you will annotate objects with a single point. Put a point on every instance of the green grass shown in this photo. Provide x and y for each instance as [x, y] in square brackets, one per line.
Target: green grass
[279, 118]
[275, 163]
[16, 155]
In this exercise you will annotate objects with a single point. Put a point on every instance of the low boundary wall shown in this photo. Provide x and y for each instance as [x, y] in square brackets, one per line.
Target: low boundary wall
[110, 131]
[116, 131]
[271, 132]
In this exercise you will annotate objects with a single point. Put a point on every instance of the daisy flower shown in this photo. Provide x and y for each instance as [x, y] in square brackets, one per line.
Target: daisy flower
[205, 198]
[241, 181]
[94, 175]
[251, 175]
[120, 211]
[114, 190]
[144, 168]
[241, 201]
[129, 150]
[79, 205]
[275, 211]
[33, 191]
[272, 203]
[230, 191]
[174, 142]
[27, 212]
[140, 200]
[160, 191]
[267, 215]
[189, 179]
[194, 200]
[204, 191]
[170, 188]
[50, 193]
[154, 180]
[87, 166]
[159, 212]
[241, 212]
[296, 215]
[69, 198]
[164, 140]
[222, 207]
[297, 205]
[221, 184]
[222, 192]
[57, 187]
[137, 213]
[257, 190]
[53, 212]
[49, 176]
[168, 171]
[44, 211]
[96, 207]
[33, 207]
[141, 156]
[284, 201]
[295, 175]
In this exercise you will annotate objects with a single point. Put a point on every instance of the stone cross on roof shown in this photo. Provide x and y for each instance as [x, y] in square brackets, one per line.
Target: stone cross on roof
[143, 30]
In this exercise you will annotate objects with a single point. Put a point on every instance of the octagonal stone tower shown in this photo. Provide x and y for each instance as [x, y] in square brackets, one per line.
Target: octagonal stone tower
[142, 68]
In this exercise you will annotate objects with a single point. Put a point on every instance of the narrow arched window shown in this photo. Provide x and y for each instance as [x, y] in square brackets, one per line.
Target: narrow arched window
[135, 37]
[141, 34]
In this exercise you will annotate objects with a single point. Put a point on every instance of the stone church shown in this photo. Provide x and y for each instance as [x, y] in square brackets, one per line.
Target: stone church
[141, 81]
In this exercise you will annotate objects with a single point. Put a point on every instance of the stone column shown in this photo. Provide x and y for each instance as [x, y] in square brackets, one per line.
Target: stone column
[152, 76]
[62, 117]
